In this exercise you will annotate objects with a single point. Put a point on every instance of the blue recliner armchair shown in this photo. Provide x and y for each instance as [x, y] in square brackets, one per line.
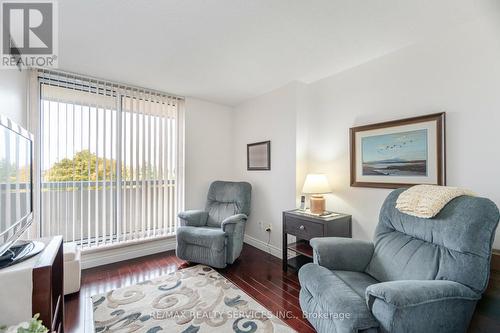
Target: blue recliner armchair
[420, 275]
[214, 236]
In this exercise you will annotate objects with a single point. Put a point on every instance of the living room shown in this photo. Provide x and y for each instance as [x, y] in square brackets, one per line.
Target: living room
[237, 140]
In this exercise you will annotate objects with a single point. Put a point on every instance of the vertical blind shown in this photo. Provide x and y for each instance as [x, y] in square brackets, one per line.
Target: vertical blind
[110, 160]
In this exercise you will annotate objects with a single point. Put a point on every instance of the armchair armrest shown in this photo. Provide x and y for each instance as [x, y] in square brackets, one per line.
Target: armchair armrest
[421, 305]
[342, 253]
[229, 223]
[193, 218]
[409, 293]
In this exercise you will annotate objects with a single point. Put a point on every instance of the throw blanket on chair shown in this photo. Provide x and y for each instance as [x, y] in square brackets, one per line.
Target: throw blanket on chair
[426, 201]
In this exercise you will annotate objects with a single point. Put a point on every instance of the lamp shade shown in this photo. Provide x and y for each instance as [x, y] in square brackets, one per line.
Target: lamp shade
[316, 184]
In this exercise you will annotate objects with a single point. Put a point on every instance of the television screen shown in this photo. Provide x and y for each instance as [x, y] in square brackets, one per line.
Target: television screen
[15, 182]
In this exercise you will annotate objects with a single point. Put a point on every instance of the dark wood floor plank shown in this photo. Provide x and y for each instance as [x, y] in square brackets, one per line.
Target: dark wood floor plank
[277, 306]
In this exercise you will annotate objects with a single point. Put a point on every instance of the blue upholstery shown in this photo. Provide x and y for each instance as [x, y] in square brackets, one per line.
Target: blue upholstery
[206, 244]
[420, 275]
[194, 218]
[319, 286]
[342, 253]
[226, 199]
[214, 236]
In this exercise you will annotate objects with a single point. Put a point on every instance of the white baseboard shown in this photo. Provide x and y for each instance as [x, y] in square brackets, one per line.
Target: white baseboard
[111, 255]
[108, 256]
[261, 245]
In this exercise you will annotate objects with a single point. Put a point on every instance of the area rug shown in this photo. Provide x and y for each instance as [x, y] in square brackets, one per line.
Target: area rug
[195, 299]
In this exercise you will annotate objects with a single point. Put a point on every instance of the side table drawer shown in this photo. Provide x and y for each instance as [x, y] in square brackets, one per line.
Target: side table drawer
[302, 228]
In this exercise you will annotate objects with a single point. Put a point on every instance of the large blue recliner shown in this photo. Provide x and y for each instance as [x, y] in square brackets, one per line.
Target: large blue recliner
[420, 275]
[214, 236]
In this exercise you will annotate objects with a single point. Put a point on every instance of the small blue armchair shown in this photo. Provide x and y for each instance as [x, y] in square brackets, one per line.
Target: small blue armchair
[419, 275]
[214, 236]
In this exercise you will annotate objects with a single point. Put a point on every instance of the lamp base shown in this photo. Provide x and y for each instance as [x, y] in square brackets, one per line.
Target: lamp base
[317, 204]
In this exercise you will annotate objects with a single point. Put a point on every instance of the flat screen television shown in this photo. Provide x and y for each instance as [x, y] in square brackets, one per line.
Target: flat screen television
[16, 185]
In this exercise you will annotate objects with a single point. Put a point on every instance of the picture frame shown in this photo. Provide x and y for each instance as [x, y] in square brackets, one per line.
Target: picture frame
[259, 156]
[399, 153]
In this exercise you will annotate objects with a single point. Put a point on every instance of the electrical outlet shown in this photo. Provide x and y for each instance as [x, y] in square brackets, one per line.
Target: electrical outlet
[268, 228]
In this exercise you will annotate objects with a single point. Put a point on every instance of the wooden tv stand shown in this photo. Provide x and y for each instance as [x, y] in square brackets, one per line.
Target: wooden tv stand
[48, 292]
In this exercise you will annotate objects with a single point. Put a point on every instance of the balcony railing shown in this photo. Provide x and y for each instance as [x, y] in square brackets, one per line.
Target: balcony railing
[94, 213]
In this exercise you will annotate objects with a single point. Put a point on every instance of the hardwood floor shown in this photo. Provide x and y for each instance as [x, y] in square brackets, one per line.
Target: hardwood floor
[257, 273]
[486, 318]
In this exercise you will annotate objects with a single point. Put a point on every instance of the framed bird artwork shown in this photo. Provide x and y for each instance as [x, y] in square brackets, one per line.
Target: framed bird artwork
[399, 153]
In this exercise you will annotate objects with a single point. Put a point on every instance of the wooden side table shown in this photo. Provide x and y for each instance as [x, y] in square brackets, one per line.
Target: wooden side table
[47, 297]
[305, 227]
[48, 285]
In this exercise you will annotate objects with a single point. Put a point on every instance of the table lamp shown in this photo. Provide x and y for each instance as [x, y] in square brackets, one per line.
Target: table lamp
[316, 185]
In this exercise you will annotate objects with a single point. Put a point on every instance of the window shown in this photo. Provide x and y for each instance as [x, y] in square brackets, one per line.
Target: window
[110, 162]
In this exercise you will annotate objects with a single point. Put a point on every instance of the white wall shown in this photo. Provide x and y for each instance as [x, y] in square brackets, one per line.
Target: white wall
[302, 128]
[458, 73]
[13, 89]
[269, 117]
[208, 148]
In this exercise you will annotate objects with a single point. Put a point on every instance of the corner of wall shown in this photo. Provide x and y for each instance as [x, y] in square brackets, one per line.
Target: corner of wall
[208, 148]
[302, 138]
[279, 116]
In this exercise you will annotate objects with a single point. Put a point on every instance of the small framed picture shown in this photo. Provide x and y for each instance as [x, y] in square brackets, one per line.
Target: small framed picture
[399, 153]
[259, 156]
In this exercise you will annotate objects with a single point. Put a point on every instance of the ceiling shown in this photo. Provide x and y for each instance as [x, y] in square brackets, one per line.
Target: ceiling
[228, 51]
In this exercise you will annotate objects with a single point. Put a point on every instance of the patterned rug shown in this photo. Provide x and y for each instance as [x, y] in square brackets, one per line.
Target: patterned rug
[195, 299]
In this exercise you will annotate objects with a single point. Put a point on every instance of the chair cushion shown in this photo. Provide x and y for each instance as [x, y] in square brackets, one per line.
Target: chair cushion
[356, 280]
[70, 250]
[225, 199]
[454, 245]
[219, 211]
[338, 295]
[212, 238]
